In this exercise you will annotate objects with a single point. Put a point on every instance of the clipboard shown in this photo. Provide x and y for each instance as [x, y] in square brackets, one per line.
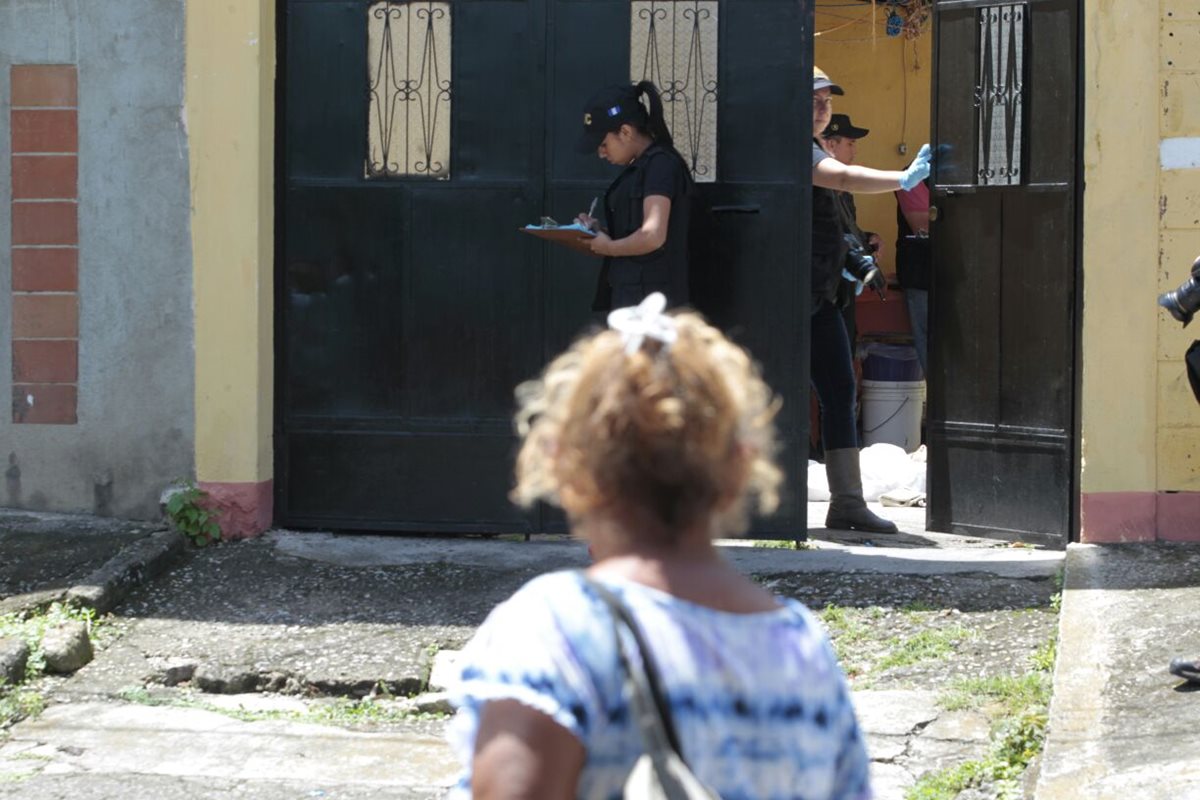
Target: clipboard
[574, 236]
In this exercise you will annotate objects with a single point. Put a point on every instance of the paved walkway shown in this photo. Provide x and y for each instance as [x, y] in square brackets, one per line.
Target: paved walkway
[342, 615]
[1120, 725]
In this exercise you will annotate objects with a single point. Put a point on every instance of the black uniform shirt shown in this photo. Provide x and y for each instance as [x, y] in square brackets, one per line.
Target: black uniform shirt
[657, 171]
[828, 246]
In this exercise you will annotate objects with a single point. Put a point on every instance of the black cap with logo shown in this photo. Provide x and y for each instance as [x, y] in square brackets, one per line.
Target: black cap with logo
[607, 111]
[840, 125]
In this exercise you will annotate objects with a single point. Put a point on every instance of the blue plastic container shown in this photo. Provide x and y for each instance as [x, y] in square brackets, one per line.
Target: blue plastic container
[891, 362]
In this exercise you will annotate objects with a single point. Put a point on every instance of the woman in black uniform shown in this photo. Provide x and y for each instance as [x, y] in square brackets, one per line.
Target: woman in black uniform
[644, 239]
[832, 361]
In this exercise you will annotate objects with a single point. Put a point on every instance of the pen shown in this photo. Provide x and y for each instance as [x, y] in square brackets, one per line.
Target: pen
[592, 208]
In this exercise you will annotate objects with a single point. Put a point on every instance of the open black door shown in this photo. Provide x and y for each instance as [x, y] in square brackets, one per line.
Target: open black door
[1002, 456]
[416, 138]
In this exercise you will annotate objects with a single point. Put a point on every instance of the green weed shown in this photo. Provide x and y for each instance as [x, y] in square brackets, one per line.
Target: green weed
[18, 703]
[187, 511]
[1017, 742]
[31, 628]
[924, 645]
[1019, 703]
[1043, 659]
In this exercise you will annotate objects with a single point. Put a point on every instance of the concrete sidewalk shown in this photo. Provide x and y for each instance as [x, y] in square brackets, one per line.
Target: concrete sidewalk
[1120, 725]
[238, 627]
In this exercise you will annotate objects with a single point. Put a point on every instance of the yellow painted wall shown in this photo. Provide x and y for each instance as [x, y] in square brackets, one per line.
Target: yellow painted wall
[1120, 246]
[1178, 414]
[1141, 425]
[888, 84]
[230, 109]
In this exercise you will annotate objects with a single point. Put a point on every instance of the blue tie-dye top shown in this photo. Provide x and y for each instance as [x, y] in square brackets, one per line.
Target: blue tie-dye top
[760, 705]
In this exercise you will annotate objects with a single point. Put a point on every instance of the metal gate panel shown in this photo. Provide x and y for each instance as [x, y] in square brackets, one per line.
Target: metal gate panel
[409, 307]
[1003, 327]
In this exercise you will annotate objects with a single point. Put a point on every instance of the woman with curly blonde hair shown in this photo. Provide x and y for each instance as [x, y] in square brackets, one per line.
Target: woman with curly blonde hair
[655, 438]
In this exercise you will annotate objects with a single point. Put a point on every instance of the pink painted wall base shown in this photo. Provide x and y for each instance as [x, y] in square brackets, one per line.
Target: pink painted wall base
[1113, 517]
[245, 509]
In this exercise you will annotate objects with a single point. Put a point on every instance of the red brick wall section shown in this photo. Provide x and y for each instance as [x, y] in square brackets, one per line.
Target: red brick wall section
[45, 244]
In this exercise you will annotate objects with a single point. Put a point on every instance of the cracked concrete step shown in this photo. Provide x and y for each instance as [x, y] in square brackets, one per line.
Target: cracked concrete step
[98, 740]
[378, 551]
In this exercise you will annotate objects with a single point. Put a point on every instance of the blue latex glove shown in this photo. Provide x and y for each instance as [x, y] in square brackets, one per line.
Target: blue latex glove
[918, 170]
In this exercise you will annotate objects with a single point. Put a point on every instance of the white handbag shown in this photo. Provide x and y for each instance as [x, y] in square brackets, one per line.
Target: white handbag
[661, 773]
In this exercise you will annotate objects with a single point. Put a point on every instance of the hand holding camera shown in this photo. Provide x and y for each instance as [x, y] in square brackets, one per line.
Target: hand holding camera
[1184, 301]
[861, 267]
[1183, 304]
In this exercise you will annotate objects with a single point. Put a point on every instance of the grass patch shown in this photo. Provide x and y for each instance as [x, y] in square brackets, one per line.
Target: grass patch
[924, 645]
[1018, 741]
[341, 712]
[782, 544]
[365, 712]
[1020, 703]
[1008, 694]
[918, 607]
[844, 628]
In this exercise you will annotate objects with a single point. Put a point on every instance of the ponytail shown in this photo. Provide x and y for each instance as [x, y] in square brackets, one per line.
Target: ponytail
[657, 124]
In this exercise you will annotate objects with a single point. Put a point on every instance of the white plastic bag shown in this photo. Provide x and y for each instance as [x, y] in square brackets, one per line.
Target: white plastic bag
[818, 483]
[886, 467]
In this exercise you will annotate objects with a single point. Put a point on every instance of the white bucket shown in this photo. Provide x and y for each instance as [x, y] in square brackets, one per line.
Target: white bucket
[891, 413]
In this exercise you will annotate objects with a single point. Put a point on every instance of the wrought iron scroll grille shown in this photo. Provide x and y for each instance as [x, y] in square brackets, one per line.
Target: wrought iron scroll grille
[408, 66]
[674, 44]
[998, 93]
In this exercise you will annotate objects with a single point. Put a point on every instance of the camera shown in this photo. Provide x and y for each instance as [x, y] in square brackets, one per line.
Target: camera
[1184, 301]
[861, 264]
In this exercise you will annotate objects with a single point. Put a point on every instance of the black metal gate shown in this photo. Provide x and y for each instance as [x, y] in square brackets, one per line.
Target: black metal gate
[1004, 317]
[408, 306]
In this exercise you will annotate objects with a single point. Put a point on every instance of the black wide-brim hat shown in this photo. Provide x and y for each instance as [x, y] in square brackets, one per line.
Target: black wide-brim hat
[607, 111]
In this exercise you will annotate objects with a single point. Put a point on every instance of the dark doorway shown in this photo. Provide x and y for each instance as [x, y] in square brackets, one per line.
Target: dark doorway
[1002, 422]
[408, 306]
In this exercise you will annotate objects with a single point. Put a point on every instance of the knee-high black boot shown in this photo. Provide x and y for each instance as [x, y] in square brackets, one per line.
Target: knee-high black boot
[847, 509]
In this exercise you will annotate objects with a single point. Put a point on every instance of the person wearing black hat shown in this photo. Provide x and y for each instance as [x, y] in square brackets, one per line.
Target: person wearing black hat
[644, 238]
[840, 139]
[832, 361]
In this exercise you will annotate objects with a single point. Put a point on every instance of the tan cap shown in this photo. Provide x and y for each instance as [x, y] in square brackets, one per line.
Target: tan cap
[822, 81]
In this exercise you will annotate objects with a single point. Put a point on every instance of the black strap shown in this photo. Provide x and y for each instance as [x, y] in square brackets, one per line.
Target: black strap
[649, 669]
[1193, 368]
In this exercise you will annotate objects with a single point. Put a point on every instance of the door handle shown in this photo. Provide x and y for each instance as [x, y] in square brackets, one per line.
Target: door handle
[749, 209]
[933, 213]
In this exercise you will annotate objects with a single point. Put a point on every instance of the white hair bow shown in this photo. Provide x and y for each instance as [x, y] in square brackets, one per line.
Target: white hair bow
[646, 320]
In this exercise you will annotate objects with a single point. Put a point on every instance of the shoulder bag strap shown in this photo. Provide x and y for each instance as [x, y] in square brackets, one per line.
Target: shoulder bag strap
[653, 714]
